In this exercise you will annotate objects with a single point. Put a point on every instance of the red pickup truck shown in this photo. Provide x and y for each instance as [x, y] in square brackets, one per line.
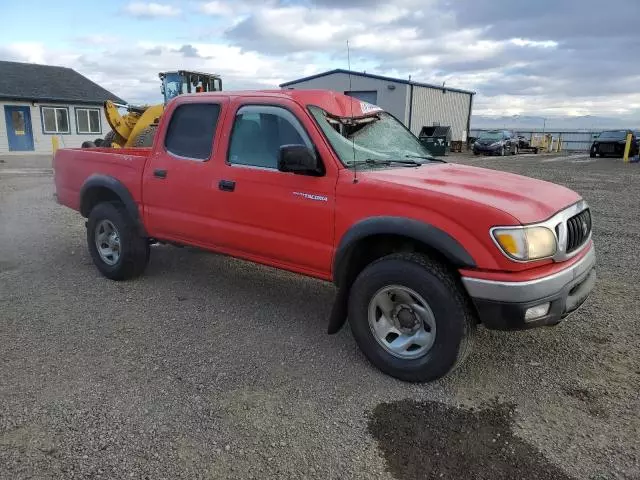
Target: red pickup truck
[315, 182]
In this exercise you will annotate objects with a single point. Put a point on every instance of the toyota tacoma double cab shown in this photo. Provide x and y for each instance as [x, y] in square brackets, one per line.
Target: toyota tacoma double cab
[315, 182]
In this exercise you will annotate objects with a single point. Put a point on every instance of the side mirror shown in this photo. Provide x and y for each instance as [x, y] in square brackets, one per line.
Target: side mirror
[299, 159]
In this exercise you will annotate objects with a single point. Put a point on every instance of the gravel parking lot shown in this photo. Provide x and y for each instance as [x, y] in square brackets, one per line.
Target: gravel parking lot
[210, 367]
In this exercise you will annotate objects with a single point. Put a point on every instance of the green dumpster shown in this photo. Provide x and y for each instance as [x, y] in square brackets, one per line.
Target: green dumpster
[436, 139]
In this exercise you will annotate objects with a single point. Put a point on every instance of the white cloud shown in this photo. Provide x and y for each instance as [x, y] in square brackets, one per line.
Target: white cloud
[524, 42]
[151, 10]
[217, 7]
[31, 52]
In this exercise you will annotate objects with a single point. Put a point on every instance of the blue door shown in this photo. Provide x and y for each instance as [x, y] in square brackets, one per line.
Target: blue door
[19, 131]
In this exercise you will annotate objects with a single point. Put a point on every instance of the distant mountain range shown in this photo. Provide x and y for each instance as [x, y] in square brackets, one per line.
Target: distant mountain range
[522, 122]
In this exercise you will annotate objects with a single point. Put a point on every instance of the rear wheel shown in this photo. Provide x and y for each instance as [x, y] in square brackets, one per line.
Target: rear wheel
[116, 247]
[410, 317]
[88, 144]
[145, 138]
[515, 151]
[503, 151]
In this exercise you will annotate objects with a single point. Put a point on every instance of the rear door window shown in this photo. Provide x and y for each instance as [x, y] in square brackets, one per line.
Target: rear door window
[191, 130]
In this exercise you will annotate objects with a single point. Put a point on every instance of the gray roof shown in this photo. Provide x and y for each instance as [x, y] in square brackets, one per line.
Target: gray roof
[47, 83]
[377, 77]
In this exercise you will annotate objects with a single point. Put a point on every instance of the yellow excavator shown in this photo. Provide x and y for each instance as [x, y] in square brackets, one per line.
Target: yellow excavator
[137, 127]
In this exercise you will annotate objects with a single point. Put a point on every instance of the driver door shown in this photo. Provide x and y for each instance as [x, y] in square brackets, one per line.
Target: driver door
[275, 217]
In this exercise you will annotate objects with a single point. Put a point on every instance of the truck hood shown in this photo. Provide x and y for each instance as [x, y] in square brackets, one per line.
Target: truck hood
[527, 199]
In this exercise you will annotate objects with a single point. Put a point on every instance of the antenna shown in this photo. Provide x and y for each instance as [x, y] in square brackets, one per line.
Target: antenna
[353, 141]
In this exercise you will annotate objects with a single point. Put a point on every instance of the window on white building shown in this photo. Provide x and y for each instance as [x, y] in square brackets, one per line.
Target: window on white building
[88, 120]
[55, 119]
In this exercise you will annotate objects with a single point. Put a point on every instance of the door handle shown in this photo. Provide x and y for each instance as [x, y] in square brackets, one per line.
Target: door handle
[158, 173]
[227, 185]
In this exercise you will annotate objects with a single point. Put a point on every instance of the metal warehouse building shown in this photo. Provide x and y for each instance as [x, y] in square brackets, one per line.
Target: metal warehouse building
[414, 103]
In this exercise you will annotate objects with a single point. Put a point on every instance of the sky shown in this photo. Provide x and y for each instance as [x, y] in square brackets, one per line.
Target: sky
[541, 58]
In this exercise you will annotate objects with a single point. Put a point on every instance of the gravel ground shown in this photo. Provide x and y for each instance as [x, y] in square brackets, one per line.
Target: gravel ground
[210, 367]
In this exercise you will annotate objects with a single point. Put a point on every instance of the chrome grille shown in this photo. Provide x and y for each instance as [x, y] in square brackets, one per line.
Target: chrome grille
[578, 230]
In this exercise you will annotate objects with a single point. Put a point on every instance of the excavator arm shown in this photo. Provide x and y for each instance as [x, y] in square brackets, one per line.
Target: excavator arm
[128, 127]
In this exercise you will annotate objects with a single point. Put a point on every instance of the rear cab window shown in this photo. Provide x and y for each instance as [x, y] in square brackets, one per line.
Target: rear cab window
[191, 131]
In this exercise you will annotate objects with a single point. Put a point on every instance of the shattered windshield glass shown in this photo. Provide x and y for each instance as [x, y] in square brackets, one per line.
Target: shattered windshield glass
[376, 137]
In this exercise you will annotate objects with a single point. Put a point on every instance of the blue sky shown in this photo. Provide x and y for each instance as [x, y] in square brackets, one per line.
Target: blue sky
[549, 57]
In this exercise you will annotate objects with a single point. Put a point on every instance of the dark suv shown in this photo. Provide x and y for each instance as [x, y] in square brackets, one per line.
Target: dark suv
[612, 143]
[496, 142]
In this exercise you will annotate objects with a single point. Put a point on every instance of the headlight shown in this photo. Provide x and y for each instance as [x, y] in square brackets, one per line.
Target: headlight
[526, 243]
[495, 144]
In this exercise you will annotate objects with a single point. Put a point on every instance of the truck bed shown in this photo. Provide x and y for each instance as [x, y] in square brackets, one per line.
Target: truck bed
[73, 166]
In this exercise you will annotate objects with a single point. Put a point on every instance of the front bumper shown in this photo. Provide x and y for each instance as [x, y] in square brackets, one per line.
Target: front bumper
[486, 149]
[502, 305]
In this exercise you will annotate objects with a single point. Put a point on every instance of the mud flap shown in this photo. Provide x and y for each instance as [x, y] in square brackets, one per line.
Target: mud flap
[338, 311]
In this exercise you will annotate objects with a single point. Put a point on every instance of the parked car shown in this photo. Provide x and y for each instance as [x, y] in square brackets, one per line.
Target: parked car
[612, 143]
[523, 143]
[496, 142]
[322, 184]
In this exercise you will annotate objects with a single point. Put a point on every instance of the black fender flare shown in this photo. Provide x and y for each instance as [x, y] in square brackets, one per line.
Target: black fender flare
[422, 232]
[118, 188]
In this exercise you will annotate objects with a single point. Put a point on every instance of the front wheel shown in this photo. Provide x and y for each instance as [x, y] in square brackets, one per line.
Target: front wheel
[116, 247]
[515, 151]
[410, 317]
[503, 151]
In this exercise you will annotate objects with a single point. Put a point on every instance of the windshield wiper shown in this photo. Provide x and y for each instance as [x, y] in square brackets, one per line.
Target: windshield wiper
[431, 159]
[386, 161]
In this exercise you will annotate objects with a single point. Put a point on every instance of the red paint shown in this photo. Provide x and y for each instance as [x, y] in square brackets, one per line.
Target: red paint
[264, 221]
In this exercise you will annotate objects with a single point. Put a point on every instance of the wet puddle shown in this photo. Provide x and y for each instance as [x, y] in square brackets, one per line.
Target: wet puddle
[431, 440]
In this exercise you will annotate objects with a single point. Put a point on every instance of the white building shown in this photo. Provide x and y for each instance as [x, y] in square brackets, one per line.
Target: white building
[38, 102]
[416, 104]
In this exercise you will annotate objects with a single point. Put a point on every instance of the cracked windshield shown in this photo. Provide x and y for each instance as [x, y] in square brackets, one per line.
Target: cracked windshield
[376, 137]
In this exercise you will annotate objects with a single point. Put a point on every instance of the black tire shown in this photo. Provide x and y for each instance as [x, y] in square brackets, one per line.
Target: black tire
[503, 152]
[109, 138]
[515, 151]
[88, 144]
[476, 153]
[145, 138]
[134, 249]
[98, 142]
[454, 316]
